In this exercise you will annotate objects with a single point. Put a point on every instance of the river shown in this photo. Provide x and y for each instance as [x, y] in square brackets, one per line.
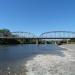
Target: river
[36, 60]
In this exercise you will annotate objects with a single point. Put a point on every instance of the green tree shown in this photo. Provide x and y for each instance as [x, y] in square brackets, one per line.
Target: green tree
[5, 32]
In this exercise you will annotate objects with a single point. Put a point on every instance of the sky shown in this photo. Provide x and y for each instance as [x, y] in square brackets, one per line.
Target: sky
[37, 16]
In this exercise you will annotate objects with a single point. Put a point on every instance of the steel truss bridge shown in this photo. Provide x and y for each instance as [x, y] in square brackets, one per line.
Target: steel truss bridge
[45, 35]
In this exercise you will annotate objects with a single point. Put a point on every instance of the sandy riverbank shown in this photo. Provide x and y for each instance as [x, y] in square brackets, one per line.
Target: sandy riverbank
[47, 64]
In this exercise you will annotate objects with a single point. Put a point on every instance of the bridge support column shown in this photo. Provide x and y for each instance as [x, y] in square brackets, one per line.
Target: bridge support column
[55, 42]
[67, 41]
[37, 41]
[45, 42]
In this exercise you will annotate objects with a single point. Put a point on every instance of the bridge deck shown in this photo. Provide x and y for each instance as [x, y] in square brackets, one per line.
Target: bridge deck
[37, 38]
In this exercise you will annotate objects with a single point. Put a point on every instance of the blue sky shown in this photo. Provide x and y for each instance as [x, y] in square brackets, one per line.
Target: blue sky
[37, 16]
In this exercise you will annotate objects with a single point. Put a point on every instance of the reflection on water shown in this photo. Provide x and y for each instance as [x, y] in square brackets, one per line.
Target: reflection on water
[19, 52]
[13, 58]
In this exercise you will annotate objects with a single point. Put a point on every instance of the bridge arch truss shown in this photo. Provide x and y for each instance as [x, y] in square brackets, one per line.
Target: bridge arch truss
[58, 34]
[23, 34]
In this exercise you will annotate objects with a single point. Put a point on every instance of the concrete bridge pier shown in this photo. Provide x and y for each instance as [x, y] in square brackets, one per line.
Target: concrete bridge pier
[55, 42]
[67, 41]
[45, 42]
[37, 41]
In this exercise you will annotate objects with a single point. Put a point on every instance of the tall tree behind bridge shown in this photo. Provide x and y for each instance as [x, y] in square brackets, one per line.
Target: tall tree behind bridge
[5, 32]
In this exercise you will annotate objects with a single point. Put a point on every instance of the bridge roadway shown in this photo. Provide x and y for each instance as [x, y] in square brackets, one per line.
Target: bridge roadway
[37, 37]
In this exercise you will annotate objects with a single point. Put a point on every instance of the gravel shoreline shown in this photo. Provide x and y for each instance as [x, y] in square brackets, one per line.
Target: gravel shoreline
[46, 64]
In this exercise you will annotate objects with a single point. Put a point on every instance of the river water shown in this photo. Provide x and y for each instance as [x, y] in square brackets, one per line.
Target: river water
[36, 60]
